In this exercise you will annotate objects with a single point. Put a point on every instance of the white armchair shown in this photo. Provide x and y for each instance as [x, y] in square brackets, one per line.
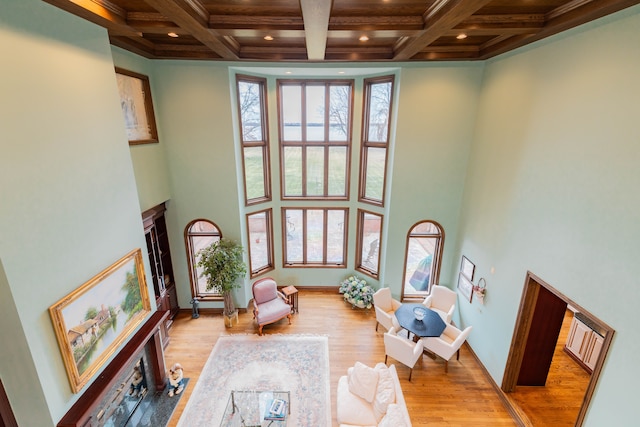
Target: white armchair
[385, 306]
[402, 349]
[442, 300]
[447, 344]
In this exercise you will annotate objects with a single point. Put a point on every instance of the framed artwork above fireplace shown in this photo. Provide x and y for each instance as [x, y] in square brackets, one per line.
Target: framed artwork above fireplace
[94, 320]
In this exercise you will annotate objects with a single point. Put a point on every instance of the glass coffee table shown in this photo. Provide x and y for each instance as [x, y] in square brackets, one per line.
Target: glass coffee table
[249, 408]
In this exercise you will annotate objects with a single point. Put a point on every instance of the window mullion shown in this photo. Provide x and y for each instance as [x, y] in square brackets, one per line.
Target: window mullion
[325, 233]
[304, 236]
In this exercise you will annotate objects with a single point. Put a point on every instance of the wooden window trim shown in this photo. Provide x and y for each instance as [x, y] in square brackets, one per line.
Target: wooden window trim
[359, 243]
[193, 280]
[304, 144]
[438, 250]
[264, 143]
[362, 181]
[304, 263]
[269, 232]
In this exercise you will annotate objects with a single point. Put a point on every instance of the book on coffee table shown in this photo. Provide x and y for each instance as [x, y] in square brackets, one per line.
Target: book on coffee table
[276, 410]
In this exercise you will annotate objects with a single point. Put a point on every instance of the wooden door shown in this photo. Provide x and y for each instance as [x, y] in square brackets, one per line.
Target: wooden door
[541, 341]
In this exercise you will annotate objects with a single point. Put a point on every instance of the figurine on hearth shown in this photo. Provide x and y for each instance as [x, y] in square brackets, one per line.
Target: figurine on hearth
[176, 379]
[138, 384]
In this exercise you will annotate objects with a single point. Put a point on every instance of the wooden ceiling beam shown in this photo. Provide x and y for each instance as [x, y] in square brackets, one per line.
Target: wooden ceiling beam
[136, 45]
[509, 20]
[563, 18]
[397, 32]
[256, 22]
[104, 14]
[315, 15]
[374, 23]
[191, 16]
[443, 16]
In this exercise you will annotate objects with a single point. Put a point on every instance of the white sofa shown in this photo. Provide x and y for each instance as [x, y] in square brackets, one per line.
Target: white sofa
[371, 397]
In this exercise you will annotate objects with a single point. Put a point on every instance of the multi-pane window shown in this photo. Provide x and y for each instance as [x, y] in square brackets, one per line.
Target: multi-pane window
[259, 226]
[254, 136]
[375, 139]
[199, 234]
[369, 235]
[425, 242]
[314, 236]
[315, 137]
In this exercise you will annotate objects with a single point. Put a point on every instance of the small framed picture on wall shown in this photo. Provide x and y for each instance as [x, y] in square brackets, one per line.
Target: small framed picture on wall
[465, 287]
[467, 268]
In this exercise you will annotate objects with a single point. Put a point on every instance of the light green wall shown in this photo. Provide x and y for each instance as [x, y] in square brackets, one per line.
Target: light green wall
[69, 206]
[436, 117]
[17, 370]
[149, 160]
[549, 132]
[553, 188]
[194, 111]
[434, 129]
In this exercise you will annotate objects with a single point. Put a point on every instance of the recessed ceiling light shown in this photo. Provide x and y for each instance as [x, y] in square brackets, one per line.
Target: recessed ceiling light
[268, 37]
[363, 38]
[287, 72]
[461, 36]
[340, 72]
[172, 34]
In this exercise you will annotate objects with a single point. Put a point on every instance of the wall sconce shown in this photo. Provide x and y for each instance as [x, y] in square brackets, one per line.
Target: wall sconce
[480, 290]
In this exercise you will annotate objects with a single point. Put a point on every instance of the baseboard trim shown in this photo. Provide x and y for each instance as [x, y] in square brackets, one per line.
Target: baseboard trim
[510, 405]
[207, 310]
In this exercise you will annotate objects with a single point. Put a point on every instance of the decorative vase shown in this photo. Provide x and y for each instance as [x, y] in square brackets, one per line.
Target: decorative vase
[230, 319]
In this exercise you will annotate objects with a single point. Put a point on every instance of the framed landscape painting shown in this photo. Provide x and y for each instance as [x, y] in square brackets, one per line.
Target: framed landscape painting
[94, 320]
[137, 107]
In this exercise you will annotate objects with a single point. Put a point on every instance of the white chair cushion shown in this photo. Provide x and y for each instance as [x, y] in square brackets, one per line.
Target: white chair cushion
[353, 410]
[363, 381]
[385, 392]
[395, 417]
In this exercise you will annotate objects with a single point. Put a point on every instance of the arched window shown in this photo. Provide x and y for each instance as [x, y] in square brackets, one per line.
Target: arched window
[423, 257]
[199, 234]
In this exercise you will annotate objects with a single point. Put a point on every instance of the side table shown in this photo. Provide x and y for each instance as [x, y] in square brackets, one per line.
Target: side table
[292, 294]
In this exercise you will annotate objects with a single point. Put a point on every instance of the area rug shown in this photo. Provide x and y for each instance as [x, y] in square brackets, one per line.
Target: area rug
[295, 363]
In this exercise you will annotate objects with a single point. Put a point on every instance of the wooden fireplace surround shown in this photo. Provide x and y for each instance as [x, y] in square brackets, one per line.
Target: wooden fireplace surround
[80, 413]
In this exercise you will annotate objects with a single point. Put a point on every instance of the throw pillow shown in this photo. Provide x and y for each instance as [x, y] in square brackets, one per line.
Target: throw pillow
[363, 381]
[385, 392]
[395, 417]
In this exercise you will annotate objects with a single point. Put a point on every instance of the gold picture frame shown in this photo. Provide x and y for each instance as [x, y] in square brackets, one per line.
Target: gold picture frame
[137, 107]
[94, 320]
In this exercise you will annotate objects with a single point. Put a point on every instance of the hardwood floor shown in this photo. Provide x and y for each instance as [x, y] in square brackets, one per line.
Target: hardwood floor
[463, 397]
[558, 402]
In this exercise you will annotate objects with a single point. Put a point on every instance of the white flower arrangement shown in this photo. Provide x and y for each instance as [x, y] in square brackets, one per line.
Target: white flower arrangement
[357, 292]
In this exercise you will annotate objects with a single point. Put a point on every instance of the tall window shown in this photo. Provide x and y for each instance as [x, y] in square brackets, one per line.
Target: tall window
[254, 136]
[314, 237]
[369, 235]
[375, 139]
[425, 242]
[315, 138]
[259, 225]
[199, 234]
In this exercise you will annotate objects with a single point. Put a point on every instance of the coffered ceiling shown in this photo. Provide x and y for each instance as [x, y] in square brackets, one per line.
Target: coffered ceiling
[333, 30]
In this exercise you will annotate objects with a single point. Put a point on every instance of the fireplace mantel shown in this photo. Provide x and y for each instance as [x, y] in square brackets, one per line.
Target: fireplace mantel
[80, 413]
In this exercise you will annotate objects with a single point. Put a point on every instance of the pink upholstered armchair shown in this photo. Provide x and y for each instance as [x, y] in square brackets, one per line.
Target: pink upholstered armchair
[269, 305]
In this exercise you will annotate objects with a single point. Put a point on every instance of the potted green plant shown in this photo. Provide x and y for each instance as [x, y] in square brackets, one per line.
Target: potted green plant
[222, 265]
